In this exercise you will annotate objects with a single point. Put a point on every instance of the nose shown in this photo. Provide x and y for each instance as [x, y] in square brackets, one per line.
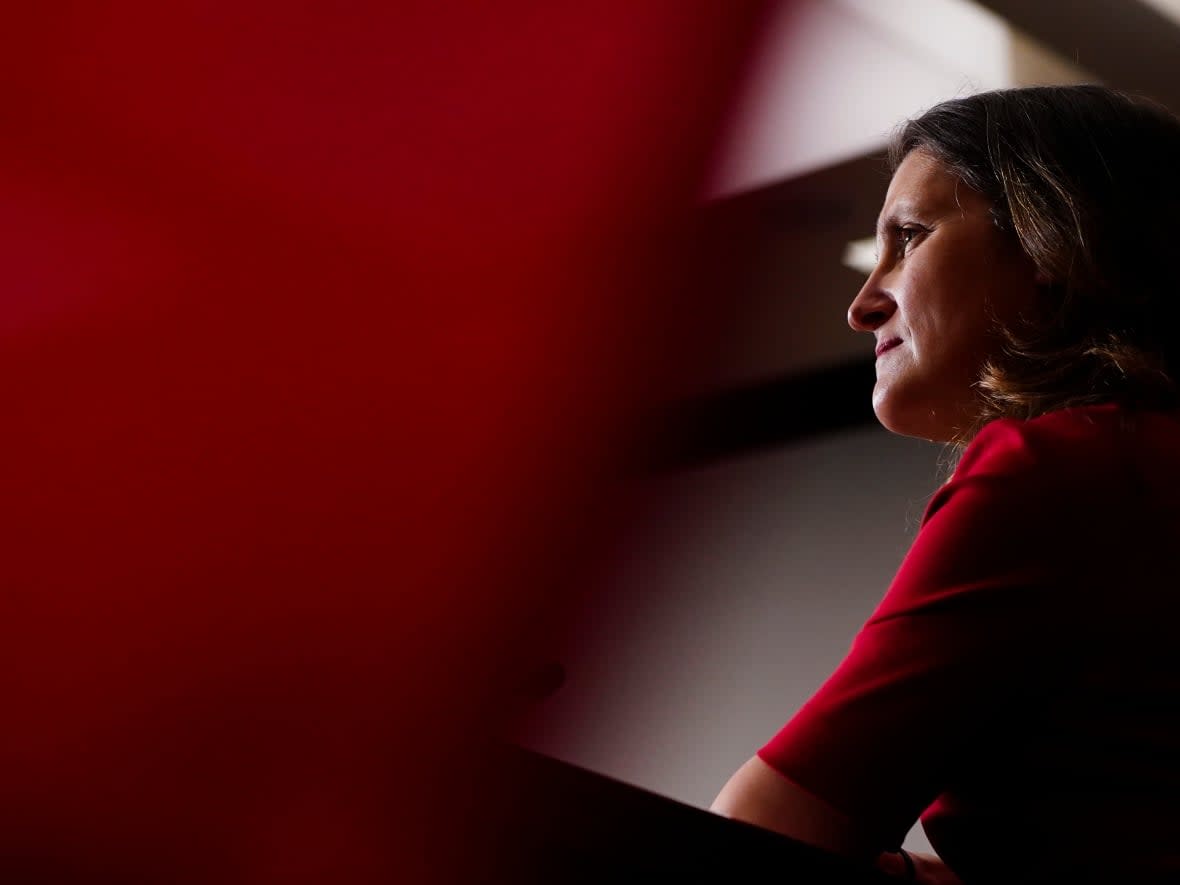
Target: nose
[872, 307]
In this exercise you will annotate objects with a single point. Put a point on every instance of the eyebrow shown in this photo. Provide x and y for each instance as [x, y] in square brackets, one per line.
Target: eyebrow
[902, 207]
[885, 224]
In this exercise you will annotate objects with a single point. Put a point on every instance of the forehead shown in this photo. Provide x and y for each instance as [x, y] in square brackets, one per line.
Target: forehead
[925, 185]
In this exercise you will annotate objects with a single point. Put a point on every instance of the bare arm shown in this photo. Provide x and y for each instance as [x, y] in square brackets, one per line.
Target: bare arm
[760, 795]
[928, 869]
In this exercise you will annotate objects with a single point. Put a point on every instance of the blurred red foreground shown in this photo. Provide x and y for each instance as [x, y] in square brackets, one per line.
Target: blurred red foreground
[321, 328]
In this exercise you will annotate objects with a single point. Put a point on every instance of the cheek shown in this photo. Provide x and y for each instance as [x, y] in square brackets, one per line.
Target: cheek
[951, 321]
[932, 314]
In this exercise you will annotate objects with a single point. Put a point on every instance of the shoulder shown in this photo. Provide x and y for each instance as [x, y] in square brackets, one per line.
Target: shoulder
[1056, 442]
[1003, 537]
[1046, 478]
[1067, 479]
[1071, 455]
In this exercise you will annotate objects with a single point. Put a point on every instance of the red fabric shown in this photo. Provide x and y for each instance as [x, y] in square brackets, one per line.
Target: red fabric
[1018, 680]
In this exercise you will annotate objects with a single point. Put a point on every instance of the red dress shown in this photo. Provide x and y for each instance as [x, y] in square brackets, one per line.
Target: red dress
[1018, 687]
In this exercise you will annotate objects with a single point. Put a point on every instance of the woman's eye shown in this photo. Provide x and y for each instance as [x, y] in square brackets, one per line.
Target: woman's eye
[907, 235]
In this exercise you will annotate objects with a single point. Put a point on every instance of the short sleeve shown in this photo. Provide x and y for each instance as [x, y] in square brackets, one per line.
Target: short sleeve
[940, 671]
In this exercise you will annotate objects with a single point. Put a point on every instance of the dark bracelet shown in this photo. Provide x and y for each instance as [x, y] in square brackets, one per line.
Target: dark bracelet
[911, 874]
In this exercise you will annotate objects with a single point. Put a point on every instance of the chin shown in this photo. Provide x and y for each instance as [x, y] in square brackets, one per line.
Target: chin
[920, 422]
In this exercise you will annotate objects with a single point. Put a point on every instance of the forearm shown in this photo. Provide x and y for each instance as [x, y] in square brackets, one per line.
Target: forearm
[927, 869]
[758, 794]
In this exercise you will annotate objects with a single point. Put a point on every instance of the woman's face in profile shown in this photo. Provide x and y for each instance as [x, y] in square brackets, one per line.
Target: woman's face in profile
[944, 274]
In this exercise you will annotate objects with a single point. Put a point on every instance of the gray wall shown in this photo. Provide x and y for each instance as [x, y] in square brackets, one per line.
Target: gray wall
[738, 589]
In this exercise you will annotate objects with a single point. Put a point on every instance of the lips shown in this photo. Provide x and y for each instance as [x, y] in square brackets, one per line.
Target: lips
[887, 344]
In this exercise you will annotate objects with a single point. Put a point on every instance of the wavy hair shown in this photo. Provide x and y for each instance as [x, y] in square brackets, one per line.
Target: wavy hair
[1087, 179]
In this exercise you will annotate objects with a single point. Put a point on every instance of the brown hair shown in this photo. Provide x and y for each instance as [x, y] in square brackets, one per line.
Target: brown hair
[1087, 179]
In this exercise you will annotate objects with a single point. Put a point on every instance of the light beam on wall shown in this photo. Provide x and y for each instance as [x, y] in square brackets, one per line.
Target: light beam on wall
[861, 255]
